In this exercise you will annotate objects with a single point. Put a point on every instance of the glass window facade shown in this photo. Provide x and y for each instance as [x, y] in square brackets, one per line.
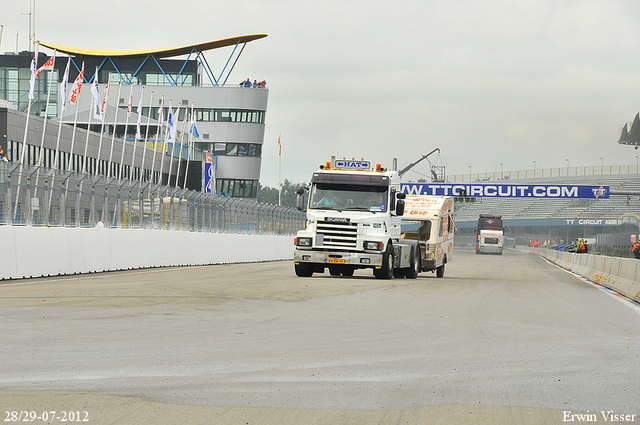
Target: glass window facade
[237, 188]
[231, 149]
[14, 87]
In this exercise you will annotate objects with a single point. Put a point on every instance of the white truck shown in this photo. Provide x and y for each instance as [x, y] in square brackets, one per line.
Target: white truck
[489, 234]
[354, 221]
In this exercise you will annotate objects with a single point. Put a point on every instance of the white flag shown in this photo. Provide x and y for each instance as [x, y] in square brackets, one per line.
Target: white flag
[160, 113]
[184, 123]
[32, 81]
[95, 90]
[63, 87]
[139, 111]
[173, 125]
[48, 65]
[77, 86]
[194, 129]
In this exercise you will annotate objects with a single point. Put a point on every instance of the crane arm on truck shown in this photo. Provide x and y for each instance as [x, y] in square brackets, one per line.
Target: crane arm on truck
[413, 164]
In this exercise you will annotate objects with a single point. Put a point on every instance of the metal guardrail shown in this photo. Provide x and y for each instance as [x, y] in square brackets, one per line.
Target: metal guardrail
[39, 196]
[595, 170]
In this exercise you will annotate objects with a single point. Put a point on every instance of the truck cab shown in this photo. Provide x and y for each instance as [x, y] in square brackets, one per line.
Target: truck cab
[353, 220]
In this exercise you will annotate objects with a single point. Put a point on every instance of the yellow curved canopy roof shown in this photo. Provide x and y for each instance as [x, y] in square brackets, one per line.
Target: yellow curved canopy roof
[159, 53]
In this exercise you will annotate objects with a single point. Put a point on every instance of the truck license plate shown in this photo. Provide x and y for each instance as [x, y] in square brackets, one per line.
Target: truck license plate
[335, 261]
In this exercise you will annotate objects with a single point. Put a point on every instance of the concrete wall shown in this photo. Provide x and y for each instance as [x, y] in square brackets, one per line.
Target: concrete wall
[50, 251]
[620, 274]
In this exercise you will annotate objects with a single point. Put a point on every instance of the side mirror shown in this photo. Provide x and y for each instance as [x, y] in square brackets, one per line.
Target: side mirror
[400, 208]
[300, 199]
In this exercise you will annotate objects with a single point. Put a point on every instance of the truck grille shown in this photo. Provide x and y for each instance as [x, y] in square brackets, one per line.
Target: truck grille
[338, 235]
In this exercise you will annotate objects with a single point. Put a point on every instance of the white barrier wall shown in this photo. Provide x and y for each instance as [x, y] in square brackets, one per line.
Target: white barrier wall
[49, 251]
[620, 274]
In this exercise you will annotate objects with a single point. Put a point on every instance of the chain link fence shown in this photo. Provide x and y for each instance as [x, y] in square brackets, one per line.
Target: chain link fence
[39, 196]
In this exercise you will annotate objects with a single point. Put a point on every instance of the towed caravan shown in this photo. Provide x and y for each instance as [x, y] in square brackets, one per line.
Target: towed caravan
[429, 221]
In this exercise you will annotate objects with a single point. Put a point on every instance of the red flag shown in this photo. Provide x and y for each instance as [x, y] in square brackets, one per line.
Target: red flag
[130, 105]
[47, 66]
[77, 86]
[279, 146]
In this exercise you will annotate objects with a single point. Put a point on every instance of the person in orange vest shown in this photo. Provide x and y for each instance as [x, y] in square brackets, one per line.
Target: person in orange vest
[636, 250]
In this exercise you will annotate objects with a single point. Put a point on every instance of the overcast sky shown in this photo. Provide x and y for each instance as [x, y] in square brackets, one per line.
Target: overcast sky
[488, 82]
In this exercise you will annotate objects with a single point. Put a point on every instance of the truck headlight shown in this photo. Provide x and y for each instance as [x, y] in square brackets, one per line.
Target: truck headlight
[373, 246]
[303, 241]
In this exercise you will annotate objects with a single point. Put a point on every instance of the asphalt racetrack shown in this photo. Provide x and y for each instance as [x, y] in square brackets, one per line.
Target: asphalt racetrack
[505, 339]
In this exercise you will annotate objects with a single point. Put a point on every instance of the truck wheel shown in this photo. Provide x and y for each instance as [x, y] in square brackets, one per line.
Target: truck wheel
[386, 271]
[304, 270]
[440, 271]
[413, 270]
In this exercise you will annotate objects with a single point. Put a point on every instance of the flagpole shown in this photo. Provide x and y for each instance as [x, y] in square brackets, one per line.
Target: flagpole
[146, 137]
[63, 100]
[186, 169]
[186, 112]
[76, 100]
[153, 162]
[103, 110]
[44, 125]
[86, 143]
[113, 135]
[165, 144]
[279, 171]
[172, 135]
[135, 138]
[34, 65]
[126, 128]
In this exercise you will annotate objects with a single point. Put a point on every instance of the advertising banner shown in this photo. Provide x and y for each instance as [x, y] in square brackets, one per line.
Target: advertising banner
[209, 174]
[482, 190]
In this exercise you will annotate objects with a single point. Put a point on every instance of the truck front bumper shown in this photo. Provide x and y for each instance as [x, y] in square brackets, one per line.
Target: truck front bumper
[490, 249]
[332, 258]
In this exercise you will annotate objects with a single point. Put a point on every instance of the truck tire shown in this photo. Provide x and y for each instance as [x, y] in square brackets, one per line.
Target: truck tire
[414, 269]
[440, 271]
[304, 270]
[386, 271]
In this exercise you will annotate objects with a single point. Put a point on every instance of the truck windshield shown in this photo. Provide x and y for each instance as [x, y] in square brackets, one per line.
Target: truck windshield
[350, 197]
